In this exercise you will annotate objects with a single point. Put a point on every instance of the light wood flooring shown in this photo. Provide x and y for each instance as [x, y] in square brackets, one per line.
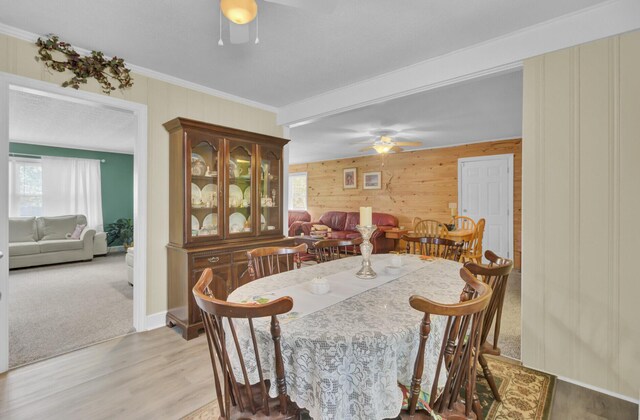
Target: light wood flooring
[158, 375]
[151, 375]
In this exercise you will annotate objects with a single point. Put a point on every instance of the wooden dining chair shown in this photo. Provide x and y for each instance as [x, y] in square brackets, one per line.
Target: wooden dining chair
[274, 259]
[435, 247]
[333, 249]
[428, 227]
[473, 251]
[243, 400]
[458, 353]
[495, 275]
[464, 222]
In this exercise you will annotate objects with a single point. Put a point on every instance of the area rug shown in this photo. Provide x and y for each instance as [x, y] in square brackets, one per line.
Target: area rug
[526, 394]
[60, 308]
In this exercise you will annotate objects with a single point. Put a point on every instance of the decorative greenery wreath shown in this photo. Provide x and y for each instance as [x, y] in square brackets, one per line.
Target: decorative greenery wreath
[94, 65]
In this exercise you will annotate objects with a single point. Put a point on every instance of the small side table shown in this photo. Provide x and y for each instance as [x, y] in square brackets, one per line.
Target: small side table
[396, 234]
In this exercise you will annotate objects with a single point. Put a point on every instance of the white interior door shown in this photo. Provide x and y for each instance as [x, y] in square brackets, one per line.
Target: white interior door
[485, 190]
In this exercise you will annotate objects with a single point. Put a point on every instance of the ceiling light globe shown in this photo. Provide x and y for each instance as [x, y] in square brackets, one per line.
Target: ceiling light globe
[239, 11]
[382, 148]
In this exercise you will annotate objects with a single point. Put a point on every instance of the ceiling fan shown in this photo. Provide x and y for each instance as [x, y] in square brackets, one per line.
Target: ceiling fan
[240, 13]
[385, 144]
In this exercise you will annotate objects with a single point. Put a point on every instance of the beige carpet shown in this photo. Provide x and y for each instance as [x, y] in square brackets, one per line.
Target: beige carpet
[60, 308]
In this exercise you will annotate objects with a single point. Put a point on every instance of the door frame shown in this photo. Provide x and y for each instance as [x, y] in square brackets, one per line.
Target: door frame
[139, 196]
[509, 157]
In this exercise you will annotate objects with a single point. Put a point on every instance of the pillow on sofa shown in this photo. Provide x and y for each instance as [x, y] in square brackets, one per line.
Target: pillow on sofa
[22, 229]
[56, 227]
[77, 232]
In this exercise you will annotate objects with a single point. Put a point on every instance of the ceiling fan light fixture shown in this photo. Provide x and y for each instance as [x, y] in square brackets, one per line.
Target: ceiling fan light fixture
[239, 12]
[382, 148]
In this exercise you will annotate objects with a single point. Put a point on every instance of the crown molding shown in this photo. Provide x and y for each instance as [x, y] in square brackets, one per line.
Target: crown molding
[495, 56]
[143, 71]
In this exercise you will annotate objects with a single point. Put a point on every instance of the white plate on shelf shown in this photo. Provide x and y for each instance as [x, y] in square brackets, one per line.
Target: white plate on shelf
[247, 194]
[263, 222]
[196, 194]
[198, 165]
[236, 222]
[235, 195]
[211, 221]
[209, 193]
[195, 225]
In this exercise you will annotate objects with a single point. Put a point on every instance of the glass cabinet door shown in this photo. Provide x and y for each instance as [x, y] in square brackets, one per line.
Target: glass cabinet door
[239, 188]
[204, 192]
[269, 191]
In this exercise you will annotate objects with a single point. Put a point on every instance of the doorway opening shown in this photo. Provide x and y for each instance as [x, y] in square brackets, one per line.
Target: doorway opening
[77, 173]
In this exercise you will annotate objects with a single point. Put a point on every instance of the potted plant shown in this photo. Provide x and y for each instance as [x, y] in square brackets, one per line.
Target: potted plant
[120, 232]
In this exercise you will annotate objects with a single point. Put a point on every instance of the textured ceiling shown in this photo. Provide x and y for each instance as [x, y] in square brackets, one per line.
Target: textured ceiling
[479, 110]
[39, 118]
[301, 53]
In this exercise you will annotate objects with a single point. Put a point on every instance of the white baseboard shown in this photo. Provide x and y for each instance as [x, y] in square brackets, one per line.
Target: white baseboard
[156, 320]
[600, 390]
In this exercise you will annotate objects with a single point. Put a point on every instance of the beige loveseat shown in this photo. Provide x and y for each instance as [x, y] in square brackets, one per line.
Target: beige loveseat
[37, 241]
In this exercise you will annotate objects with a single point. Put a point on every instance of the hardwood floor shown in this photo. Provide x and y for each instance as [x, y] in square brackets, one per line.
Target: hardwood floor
[573, 402]
[158, 375]
[152, 375]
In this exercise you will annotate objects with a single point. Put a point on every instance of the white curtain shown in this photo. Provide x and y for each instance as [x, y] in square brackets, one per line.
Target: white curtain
[72, 186]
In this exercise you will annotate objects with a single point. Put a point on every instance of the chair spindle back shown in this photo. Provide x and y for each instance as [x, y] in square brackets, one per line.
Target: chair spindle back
[435, 247]
[459, 351]
[218, 317]
[464, 222]
[495, 275]
[333, 249]
[273, 260]
[428, 227]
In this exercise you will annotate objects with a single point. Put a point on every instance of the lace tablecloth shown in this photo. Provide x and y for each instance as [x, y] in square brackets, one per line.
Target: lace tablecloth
[345, 361]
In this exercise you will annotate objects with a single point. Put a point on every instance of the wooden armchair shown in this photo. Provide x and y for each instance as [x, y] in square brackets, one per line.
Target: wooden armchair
[458, 354]
[495, 275]
[473, 252]
[428, 227]
[435, 247]
[273, 260]
[333, 249]
[242, 400]
[464, 222]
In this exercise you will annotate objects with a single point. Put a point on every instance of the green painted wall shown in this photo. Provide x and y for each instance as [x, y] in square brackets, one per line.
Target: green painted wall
[116, 173]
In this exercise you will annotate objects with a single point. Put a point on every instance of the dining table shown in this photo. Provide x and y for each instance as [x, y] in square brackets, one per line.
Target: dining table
[460, 235]
[346, 351]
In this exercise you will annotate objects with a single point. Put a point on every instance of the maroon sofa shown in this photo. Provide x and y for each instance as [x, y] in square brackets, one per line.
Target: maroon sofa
[343, 225]
[296, 219]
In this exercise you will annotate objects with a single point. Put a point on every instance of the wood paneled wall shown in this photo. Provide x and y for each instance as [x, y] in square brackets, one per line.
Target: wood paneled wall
[580, 277]
[414, 184]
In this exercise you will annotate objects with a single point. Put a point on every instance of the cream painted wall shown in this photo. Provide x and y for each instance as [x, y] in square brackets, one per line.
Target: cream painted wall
[164, 101]
[581, 202]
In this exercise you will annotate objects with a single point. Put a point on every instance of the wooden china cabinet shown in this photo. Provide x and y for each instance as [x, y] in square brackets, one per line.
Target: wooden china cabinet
[225, 189]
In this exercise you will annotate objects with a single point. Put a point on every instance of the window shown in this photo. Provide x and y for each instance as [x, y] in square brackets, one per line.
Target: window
[298, 191]
[25, 187]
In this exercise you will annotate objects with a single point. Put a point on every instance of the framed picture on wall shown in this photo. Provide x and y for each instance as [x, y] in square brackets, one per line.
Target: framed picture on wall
[349, 178]
[372, 181]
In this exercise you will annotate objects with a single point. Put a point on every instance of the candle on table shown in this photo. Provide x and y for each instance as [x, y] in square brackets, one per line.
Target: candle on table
[366, 216]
